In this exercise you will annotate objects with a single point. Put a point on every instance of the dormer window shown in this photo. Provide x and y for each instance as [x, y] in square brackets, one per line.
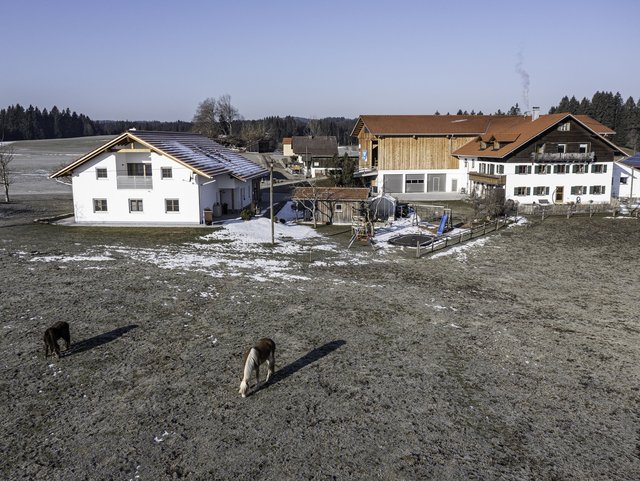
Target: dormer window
[483, 145]
[496, 145]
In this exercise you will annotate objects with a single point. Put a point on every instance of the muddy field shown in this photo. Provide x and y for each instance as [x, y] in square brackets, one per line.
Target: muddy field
[516, 358]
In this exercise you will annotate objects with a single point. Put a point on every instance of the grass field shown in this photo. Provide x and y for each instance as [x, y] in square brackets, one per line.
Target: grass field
[514, 358]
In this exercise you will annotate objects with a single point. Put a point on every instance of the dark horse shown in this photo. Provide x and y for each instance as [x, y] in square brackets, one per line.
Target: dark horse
[60, 330]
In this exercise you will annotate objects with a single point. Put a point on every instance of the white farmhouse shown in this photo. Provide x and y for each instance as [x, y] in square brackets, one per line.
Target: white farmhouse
[161, 177]
[555, 159]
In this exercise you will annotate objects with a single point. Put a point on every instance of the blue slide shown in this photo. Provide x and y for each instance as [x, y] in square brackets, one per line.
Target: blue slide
[443, 223]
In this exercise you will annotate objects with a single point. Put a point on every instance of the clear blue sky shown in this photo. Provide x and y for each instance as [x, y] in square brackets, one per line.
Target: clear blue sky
[156, 60]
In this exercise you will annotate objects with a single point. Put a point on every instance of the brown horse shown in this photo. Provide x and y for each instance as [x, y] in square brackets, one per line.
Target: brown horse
[263, 351]
[60, 330]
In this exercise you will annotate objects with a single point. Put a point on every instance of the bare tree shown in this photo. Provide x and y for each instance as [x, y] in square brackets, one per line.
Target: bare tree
[6, 174]
[253, 133]
[227, 113]
[313, 197]
[205, 121]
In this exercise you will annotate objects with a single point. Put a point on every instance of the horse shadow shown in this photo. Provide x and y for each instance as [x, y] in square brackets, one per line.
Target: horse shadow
[99, 340]
[309, 358]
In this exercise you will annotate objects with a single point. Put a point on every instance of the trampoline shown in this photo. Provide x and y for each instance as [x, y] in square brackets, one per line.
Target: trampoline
[411, 240]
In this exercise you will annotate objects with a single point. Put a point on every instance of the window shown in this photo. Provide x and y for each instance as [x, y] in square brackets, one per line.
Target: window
[171, 205]
[561, 169]
[316, 164]
[500, 169]
[562, 148]
[623, 180]
[522, 191]
[543, 169]
[338, 208]
[579, 169]
[596, 189]
[101, 173]
[523, 169]
[578, 189]
[135, 205]
[598, 168]
[482, 168]
[565, 127]
[166, 173]
[541, 191]
[100, 205]
[583, 148]
[138, 169]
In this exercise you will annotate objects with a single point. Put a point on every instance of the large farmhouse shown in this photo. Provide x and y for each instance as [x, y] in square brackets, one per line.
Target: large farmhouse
[161, 177]
[419, 155]
[556, 158]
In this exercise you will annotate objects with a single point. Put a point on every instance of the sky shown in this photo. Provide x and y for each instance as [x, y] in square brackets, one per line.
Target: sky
[157, 60]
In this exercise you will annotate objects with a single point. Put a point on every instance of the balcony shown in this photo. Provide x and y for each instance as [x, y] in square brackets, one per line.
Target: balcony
[487, 179]
[570, 157]
[134, 182]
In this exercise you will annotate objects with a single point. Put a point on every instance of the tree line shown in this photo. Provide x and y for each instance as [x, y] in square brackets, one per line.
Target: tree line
[611, 110]
[217, 118]
[228, 127]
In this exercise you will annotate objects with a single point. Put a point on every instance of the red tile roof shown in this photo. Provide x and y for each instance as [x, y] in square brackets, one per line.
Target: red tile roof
[523, 132]
[452, 124]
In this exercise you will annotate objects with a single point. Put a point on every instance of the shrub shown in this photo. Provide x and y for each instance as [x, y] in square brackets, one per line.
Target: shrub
[246, 214]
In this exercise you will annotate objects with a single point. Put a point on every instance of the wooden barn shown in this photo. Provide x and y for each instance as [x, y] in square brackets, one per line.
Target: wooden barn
[331, 205]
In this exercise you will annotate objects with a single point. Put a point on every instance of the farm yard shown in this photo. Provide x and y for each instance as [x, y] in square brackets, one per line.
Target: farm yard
[514, 356]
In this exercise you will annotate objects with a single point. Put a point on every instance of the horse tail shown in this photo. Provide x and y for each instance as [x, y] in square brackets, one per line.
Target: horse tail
[249, 365]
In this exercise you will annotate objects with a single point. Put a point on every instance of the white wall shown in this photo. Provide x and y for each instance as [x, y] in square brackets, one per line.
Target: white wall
[550, 180]
[458, 177]
[182, 186]
[624, 179]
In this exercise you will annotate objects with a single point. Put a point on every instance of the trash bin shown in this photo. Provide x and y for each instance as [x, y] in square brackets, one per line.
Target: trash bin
[217, 210]
[208, 216]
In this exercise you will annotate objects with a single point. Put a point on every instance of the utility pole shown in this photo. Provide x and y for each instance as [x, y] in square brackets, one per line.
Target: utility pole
[273, 242]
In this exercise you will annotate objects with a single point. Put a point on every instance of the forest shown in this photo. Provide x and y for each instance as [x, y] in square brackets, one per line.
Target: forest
[18, 123]
[218, 119]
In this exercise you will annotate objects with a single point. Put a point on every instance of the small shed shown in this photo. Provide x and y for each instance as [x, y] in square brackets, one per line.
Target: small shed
[331, 205]
[382, 207]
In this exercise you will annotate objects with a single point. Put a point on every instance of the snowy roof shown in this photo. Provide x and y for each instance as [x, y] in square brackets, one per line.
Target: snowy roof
[197, 152]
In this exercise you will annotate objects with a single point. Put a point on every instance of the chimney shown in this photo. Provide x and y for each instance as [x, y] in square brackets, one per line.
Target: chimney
[535, 113]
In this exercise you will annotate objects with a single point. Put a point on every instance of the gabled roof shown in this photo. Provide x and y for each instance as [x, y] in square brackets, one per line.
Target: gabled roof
[315, 145]
[523, 132]
[331, 193]
[196, 152]
[470, 125]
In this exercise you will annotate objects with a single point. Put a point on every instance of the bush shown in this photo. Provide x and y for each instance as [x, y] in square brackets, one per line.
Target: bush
[246, 214]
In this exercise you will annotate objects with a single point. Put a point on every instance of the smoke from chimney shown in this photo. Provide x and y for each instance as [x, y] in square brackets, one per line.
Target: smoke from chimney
[524, 76]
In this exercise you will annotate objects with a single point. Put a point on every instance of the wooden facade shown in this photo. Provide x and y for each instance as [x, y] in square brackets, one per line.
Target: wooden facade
[416, 152]
[572, 139]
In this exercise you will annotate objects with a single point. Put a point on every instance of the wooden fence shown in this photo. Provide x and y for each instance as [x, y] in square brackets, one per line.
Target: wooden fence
[568, 210]
[464, 236]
